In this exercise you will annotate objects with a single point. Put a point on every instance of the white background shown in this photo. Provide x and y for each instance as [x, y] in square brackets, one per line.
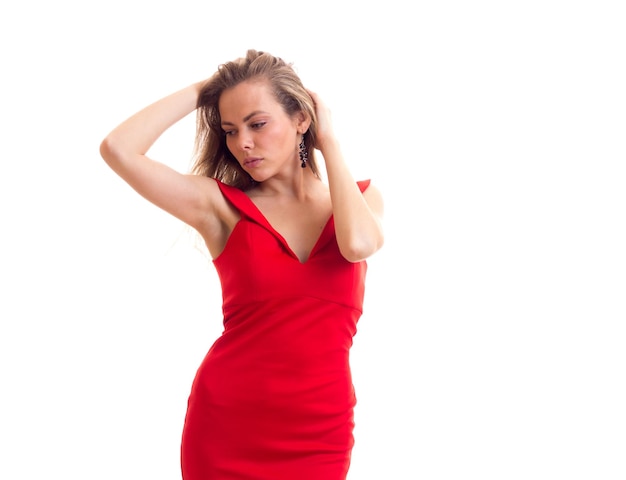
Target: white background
[492, 343]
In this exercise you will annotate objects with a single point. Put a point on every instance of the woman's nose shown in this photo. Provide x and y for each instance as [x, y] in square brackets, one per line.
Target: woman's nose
[245, 141]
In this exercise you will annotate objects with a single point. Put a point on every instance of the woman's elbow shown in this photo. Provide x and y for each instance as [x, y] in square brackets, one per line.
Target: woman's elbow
[107, 150]
[111, 152]
[358, 251]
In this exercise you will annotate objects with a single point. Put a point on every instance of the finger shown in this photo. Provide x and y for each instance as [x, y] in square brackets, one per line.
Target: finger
[313, 95]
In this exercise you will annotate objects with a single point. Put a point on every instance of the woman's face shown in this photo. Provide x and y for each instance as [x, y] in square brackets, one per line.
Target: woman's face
[259, 134]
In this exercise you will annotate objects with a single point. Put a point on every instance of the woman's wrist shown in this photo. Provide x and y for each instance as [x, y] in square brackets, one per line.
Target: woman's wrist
[329, 146]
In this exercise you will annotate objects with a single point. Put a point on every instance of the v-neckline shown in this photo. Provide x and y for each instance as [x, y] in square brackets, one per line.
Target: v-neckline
[291, 251]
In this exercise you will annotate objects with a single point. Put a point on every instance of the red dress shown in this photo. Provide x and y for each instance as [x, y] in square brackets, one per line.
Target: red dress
[273, 398]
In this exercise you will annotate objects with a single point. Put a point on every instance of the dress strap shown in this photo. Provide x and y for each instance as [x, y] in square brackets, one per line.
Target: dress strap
[242, 202]
[363, 184]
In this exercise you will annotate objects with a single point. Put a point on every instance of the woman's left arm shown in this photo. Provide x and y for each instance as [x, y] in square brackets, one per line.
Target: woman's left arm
[357, 216]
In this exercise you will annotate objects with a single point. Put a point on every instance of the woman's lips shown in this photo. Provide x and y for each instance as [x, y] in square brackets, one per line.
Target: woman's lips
[252, 162]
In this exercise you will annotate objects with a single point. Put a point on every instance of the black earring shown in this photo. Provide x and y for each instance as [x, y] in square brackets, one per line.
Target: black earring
[304, 155]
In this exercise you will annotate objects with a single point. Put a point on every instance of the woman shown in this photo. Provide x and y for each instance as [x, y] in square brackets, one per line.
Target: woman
[273, 398]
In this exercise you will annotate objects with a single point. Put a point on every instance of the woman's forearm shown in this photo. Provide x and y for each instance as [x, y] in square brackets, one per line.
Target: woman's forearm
[139, 132]
[357, 222]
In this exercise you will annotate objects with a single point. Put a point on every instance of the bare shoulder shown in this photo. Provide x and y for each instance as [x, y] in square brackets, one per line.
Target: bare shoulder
[211, 199]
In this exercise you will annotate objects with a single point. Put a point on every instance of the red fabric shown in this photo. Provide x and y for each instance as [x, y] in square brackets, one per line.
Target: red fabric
[273, 398]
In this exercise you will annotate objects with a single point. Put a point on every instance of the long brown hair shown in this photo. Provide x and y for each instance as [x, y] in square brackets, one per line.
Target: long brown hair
[212, 157]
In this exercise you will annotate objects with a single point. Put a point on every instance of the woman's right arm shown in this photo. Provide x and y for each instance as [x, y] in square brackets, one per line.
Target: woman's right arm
[193, 199]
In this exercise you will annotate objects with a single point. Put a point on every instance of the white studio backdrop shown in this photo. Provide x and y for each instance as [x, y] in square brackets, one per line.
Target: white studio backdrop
[491, 345]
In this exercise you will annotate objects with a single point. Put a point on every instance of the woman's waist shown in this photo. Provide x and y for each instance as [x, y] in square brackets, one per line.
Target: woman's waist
[278, 382]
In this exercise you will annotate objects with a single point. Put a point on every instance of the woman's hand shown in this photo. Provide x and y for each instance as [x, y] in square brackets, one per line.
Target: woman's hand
[325, 133]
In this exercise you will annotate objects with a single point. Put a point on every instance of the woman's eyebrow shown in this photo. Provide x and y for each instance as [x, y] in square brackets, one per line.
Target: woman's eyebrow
[246, 118]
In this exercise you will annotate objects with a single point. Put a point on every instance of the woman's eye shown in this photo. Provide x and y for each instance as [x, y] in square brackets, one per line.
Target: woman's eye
[228, 132]
[258, 124]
